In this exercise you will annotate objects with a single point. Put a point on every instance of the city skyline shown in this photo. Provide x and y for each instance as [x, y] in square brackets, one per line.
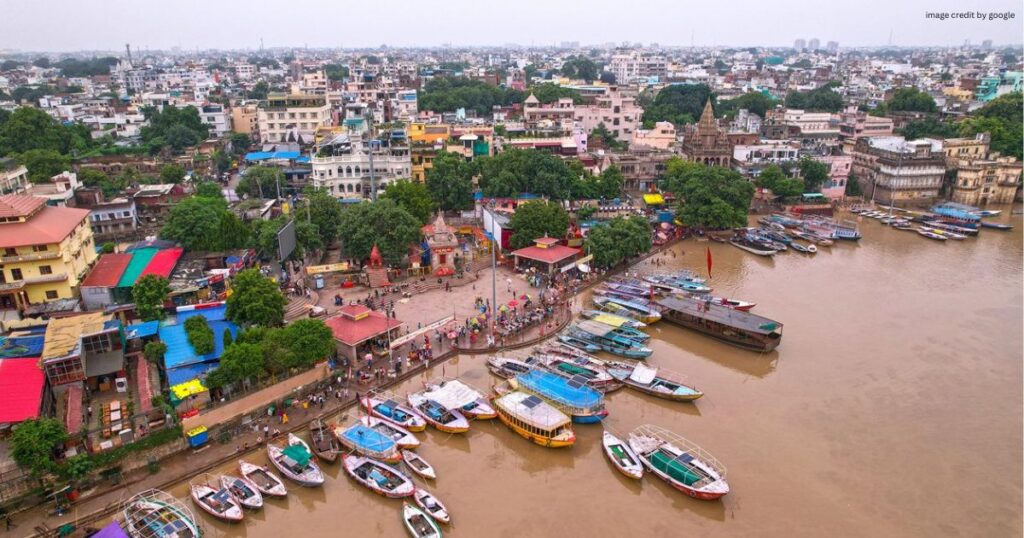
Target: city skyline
[86, 26]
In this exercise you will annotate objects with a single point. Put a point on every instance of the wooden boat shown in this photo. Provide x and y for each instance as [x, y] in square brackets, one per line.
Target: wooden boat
[386, 406]
[806, 249]
[217, 502]
[378, 477]
[947, 227]
[988, 212]
[267, 482]
[368, 442]
[635, 335]
[813, 238]
[682, 464]
[418, 465]
[418, 523]
[930, 235]
[456, 394]
[657, 382]
[439, 416]
[570, 394]
[295, 463]
[749, 246]
[325, 445]
[157, 514]
[996, 226]
[432, 505]
[638, 310]
[243, 490]
[296, 440]
[718, 239]
[535, 419]
[623, 288]
[735, 304]
[402, 437]
[609, 339]
[742, 329]
[619, 310]
[507, 367]
[612, 319]
[621, 456]
[589, 368]
[578, 343]
[944, 233]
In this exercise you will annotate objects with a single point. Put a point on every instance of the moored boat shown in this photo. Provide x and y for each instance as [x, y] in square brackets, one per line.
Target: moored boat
[578, 343]
[418, 465]
[418, 523]
[619, 331]
[243, 490]
[367, 441]
[746, 244]
[680, 463]
[378, 477]
[637, 310]
[621, 456]
[439, 416]
[742, 329]
[324, 444]
[996, 226]
[157, 514]
[386, 406]
[677, 284]
[507, 367]
[570, 394]
[806, 249]
[657, 382]
[295, 463]
[296, 440]
[813, 238]
[535, 419]
[267, 482]
[432, 505]
[930, 235]
[735, 304]
[216, 501]
[401, 436]
[456, 394]
[589, 368]
[944, 233]
[612, 319]
[608, 339]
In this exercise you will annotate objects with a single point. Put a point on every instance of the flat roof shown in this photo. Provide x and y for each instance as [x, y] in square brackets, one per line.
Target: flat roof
[721, 314]
[63, 335]
[21, 389]
[532, 409]
[107, 271]
[180, 351]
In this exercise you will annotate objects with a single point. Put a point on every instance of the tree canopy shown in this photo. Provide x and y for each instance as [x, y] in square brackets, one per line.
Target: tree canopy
[33, 444]
[177, 128]
[450, 181]
[29, 128]
[413, 196]
[260, 351]
[383, 223]
[580, 67]
[619, 239]
[821, 99]
[448, 94]
[537, 219]
[911, 100]
[200, 335]
[517, 171]
[549, 93]
[814, 174]
[775, 180]
[255, 300]
[710, 196]
[679, 104]
[755, 102]
[1003, 119]
[260, 182]
[929, 127]
[195, 223]
[42, 164]
[150, 293]
[586, 186]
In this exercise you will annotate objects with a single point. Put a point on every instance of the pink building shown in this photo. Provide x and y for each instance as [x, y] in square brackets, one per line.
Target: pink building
[839, 167]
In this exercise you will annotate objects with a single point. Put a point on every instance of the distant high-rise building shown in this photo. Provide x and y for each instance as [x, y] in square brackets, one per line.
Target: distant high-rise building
[832, 46]
[986, 44]
[799, 44]
[814, 44]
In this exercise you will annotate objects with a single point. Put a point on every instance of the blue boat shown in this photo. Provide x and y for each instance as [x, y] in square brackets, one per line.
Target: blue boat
[957, 215]
[635, 335]
[604, 337]
[674, 283]
[640, 310]
[578, 344]
[584, 404]
[368, 442]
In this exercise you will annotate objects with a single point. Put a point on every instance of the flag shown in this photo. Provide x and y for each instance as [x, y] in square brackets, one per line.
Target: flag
[709, 262]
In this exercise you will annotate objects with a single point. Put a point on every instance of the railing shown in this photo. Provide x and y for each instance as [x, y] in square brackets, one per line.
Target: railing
[45, 255]
[59, 277]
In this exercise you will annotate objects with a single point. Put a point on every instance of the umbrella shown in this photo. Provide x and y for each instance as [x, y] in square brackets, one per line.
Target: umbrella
[453, 335]
[502, 308]
[513, 303]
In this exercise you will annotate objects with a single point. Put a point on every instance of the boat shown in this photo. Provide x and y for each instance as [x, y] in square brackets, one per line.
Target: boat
[775, 235]
[638, 310]
[607, 339]
[456, 394]
[946, 227]
[944, 233]
[535, 419]
[983, 213]
[621, 456]
[418, 523]
[813, 238]
[418, 465]
[589, 368]
[957, 214]
[635, 335]
[684, 465]
[631, 290]
[930, 235]
[401, 436]
[806, 249]
[157, 514]
[386, 406]
[718, 239]
[439, 416]
[218, 502]
[996, 226]
[758, 237]
[578, 343]
[735, 304]
[746, 244]
[296, 463]
[267, 482]
[432, 505]
[785, 220]
[672, 283]
[378, 477]
[243, 490]
[612, 319]
[570, 394]
[325, 445]
[831, 229]
[296, 440]
[742, 329]
[367, 441]
[657, 382]
[507, 367]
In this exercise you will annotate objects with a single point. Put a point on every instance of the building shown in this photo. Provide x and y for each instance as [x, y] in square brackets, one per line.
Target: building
[814, 43]
[286, 114]
[356, 327]
[854, 124]
[662, 136]
[637, 65]
[641, 166]
[799, 44]
[59, 190]
[812, 127]
[46, 251]
[348, 166]
[706, 143]
[990, 180]
[181, 361]
[13, 177]
[965, 149]
[892, 170]
[245, 119]
[546, 255]
[751, 160]
[77, 348]
[832, 46]
[443, 246]
[557, 116]
[839, 167]
[218, 117]
[616, 110]
[98, 288]
[114, 219]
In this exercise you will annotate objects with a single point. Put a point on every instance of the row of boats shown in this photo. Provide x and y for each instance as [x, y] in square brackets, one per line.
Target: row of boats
[954, 223]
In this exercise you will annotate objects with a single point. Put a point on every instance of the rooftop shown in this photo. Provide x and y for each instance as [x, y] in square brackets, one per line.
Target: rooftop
[14, 205]
[533, 409]
[21, 390]
[48, 225]
[107, 271]
[63, 335]
[356, 323]
[547, 254]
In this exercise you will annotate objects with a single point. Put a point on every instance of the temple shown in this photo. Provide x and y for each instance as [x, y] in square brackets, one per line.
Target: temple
[706, 143]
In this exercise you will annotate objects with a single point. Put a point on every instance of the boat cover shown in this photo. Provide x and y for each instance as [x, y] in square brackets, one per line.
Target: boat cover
[453, 394]
[298, 453]
[368, 438]
[643, 374]
[610, 320]
[594, 328]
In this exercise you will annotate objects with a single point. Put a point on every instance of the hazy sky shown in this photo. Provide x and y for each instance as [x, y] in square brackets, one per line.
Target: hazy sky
[60, 25]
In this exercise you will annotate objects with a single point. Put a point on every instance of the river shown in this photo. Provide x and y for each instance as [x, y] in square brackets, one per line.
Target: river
[893, 407]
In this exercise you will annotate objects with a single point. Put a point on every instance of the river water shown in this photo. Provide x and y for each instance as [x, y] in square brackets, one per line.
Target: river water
[893, 407]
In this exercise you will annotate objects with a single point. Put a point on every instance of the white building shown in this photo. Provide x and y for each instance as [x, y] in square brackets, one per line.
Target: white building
[284, 113]
[217, 117]
[13, 177]
[113, 218]
[750, 160]
[348, 166]
[617, 111]
[637, 65]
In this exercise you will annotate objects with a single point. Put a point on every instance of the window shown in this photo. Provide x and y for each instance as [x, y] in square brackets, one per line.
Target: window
[16, 274]
[45, 270]
[100, 343]
[51, 294]
[10, 252]
[38, 248]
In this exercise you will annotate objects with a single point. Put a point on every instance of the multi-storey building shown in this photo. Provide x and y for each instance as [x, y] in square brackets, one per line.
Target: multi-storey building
[113, 219]
[245, 118]
[218, 117]
[892, 170]
[347, 166]
[292, 113]
[616, 109]
[45, 251]
[13, 177]
[641, 167]
[751, 160]
[991, 180]
[839, 167]
[638, 65]
[557, 116]
[854, 124]
[662, 136]
[965, 149]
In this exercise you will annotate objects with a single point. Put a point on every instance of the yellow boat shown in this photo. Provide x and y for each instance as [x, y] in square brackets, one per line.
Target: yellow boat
[535, 419]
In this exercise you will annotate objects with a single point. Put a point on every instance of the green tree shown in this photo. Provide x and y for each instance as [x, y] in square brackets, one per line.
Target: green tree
[42, 164]
[259, 91]
[853, 186]
[821, 99]
[172, 173]
[200, 335]
[930, 128]
[108, 247]
[911, 100]
[324, 213]
[154, 351]
[549, 93]
[537, 219]
[310, 341]
[679, 104]
[448, 94]
[756, 102]
[238, 363]
[383, 223]
[76, 467]
[618, 239]
[173, 127]
[227, 338]
[30, 128]
[1003, 119]
[195, 223]
[209, 189]
[240, 143]
[34, 442]
[110, 187]
[264, 234]
[260, 182]
[710, 196]
[814, 174]
[602, 137]
[413, 196]
[336, 72]
[585, 212]
[580, 67]
[775, 180]
[42, 61]
[450, 181]
[518, 171]
[307, 235]
[150, 293]
[222, 161]
[255, 300]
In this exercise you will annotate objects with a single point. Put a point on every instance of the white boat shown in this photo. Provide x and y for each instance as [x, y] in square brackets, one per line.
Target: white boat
[386, 406]
[443, 418]
[418, 523]
[243, 490]
[378, 477]
[296, 440]
[217, 502]
[266, 481]
[418, 465]
[680, 463]
[622, 456]
[402, 437]
[806, 249]
[747, 246]
[657, 382]
[157, 514]
[944, 233]
[296, 463]
[507, 367]
[456, 394]
[930, 235]
[612, 319]
[432, 505]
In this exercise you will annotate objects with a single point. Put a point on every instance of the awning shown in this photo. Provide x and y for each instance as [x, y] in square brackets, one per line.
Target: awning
[585, 268]
[21, 390]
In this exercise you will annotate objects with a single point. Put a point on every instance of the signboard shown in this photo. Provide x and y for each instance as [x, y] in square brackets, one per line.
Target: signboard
[286, 240]
[578, 263]
[329, 268]
[405, 339]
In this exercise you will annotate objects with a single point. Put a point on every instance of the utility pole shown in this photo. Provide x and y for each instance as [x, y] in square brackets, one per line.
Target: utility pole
[494, 278]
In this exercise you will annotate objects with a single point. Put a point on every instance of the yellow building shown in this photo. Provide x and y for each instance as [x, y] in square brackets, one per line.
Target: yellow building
[424, 133]
[44, 251]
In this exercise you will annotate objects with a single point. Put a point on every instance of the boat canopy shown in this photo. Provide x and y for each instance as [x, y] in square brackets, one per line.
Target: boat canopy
[595, 328]
[572, 392]
[368, 438]
[453, 394]
[532, 409]
[722, 314]
[610, 319]
[298, 453]
[643, 374]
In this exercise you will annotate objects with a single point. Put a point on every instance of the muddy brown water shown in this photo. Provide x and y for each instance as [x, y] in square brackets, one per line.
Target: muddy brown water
[893, 407]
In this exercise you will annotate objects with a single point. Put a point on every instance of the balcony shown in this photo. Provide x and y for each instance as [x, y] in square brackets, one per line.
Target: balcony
[44, 279]
[32, 256]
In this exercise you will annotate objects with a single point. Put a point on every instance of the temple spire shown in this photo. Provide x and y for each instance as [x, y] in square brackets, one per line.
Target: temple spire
[707, 118]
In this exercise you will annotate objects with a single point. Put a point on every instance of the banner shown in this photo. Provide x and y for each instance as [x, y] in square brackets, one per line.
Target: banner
[329, 268]
[406, 338]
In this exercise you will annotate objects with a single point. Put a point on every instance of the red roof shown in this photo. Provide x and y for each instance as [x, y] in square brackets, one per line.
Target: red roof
[356, 324]
[552, 254]
[145, 389]
[21, 389]
[163, 262]
[16, 205]
[73, 409]
[107, 271]
[50, 225]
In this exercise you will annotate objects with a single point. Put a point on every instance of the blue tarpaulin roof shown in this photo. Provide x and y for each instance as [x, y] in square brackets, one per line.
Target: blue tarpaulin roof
[21, 346]
[267, 155]
[181, 353]
[177, 376]
[141, 330]
[216, 313]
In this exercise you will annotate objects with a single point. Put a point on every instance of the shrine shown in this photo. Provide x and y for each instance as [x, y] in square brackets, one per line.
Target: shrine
[442, 244]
